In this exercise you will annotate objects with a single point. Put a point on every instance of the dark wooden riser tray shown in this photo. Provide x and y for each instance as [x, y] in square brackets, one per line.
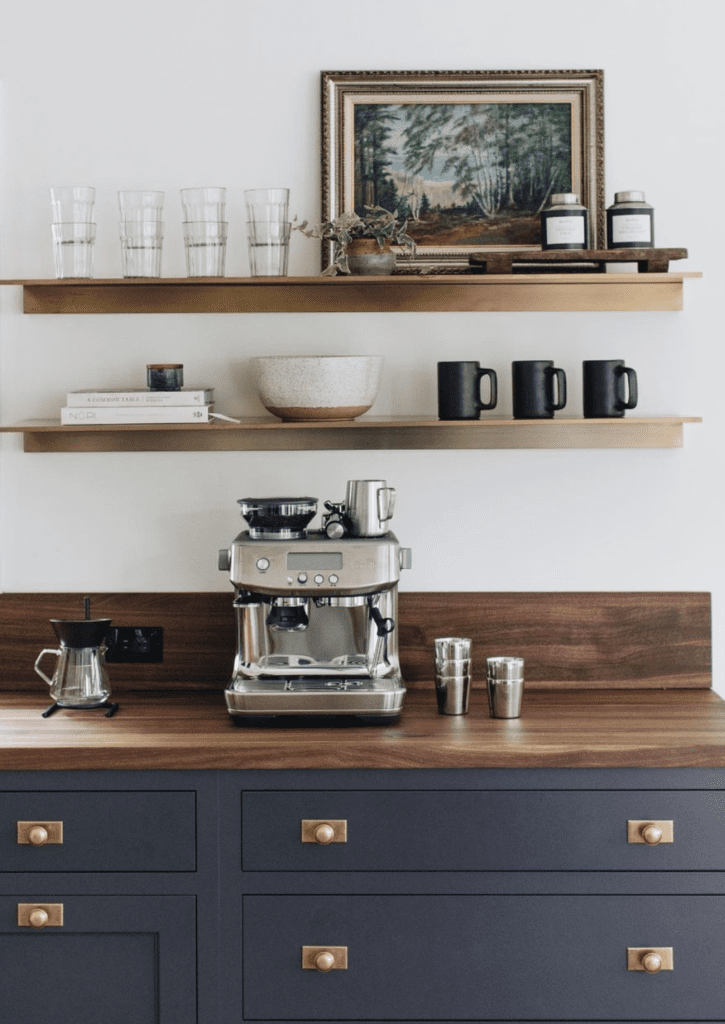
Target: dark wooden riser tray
[649, 261]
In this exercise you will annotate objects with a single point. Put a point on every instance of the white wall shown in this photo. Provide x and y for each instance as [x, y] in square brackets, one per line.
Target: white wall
[168, 94]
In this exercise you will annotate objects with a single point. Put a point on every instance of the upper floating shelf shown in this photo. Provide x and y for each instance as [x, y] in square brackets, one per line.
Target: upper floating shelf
[397, 294]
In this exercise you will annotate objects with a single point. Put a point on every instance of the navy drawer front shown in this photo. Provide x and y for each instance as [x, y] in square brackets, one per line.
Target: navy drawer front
[484, 958]
[483, 831]
[112, 831]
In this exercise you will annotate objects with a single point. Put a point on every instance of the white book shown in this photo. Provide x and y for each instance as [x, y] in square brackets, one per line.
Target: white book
[139, 396]
[70, 416]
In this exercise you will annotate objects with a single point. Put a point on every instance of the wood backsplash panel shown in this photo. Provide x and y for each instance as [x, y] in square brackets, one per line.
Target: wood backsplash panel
[582, 640]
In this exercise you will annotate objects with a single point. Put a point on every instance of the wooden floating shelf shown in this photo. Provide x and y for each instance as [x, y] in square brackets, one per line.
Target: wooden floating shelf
[396, 294]
[366, 433]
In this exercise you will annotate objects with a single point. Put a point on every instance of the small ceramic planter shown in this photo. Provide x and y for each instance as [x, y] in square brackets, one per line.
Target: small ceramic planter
[365, 257]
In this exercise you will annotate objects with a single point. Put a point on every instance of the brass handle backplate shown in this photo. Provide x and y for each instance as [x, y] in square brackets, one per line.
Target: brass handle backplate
[652, 833]
[324, 958]
[651, 959]
[323, 830]
[40, 833]
[40, 915]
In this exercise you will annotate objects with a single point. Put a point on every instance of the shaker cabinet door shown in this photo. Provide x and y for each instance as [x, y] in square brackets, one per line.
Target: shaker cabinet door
[479, 958]
[114, 959]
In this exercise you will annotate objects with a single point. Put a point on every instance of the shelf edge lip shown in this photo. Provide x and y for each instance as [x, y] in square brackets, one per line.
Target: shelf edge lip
[55, 426]
[478, 280]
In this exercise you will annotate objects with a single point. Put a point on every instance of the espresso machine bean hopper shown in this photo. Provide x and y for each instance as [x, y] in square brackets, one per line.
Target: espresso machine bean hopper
[316, 610]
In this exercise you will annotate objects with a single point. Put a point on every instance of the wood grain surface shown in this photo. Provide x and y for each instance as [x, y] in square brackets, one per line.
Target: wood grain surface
[570, 640]
[564, 729]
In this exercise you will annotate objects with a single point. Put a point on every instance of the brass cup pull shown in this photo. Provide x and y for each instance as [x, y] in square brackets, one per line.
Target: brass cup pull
[40, 915]
[323, 831]
[324, 958]
[651, 959]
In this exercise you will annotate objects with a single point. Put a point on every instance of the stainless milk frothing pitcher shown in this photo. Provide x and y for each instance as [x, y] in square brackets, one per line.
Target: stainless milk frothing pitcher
[369, 506]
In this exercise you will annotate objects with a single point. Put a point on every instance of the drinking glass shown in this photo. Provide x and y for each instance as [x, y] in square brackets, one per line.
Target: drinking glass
[203, 204]
[268, 248]
[72, 204]
[206, 246]
[141, 243]
[267, 205]
[73, 249]
[141, 205]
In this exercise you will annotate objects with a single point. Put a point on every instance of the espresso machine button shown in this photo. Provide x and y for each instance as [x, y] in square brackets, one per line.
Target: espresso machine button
[262, 564]
[319, 578]
[302, 578]
[334, 578]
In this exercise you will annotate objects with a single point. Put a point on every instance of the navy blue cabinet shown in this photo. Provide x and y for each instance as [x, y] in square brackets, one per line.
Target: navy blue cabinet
[450, 895]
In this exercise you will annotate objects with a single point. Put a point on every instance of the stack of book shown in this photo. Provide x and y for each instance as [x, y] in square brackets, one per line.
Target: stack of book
[138, 405]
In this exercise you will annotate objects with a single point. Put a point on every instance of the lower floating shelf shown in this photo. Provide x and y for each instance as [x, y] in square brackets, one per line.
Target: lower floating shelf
[366, 433]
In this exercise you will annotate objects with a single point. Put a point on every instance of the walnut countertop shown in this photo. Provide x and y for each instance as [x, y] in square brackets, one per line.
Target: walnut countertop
[191, 729]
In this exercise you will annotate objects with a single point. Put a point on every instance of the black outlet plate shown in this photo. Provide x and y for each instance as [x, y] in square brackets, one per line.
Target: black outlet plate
[135, 645]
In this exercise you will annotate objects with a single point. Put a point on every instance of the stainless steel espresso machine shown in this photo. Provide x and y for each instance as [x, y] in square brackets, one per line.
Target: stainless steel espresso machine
[317, 609]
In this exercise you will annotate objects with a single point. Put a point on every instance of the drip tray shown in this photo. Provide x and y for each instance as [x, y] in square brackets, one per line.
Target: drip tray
[321, 695]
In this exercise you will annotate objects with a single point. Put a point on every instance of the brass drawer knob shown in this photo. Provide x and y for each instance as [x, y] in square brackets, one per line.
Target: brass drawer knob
[40, 915]
[651, 833]
[651, 959]
[324, 961]
[38, 918]
[324, 958]
[40, 833]
[323, 832]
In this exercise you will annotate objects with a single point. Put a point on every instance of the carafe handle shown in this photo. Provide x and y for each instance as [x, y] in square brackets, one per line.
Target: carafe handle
[47, 650]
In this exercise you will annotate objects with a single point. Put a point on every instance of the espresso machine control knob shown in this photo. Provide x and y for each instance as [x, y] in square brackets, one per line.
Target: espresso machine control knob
[225, 560]
[262, 564]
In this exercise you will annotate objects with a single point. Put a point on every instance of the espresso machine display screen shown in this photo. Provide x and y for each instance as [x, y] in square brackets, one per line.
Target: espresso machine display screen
[297, 560]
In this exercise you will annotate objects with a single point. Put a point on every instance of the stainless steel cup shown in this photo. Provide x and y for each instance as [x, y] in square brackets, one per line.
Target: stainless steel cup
[505, 685]
[369, 506]
[452, 674]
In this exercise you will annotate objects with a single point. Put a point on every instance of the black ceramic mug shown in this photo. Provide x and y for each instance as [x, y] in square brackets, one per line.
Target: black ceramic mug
[459, 390]
[604, 388]
[539, 389]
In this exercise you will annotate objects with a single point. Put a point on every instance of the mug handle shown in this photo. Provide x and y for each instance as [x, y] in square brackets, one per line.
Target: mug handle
[390, 503]
[632, 381]
[491, 374]
[47, 650]
[561, 388]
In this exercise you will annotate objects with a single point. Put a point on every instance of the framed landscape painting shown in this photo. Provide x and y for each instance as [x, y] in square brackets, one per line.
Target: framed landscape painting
[470, 159]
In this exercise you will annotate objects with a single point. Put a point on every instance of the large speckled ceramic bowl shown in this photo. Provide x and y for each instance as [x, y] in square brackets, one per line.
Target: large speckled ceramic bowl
[296, 388]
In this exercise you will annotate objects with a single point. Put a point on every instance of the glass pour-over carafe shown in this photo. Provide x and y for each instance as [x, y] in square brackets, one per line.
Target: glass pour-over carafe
[80, 679]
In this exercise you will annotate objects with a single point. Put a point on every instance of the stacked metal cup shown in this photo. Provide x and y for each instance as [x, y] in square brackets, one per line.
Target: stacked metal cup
[142, 232]
[268, 231]
[505, 685]
[205, 231]
[74, 232]
[452, 674]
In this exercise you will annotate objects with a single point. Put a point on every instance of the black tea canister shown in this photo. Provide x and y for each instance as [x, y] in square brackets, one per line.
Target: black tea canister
[630, 222]
[565, 223]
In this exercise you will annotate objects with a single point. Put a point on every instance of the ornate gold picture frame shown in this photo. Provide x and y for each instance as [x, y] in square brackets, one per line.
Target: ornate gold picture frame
[469, 158]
